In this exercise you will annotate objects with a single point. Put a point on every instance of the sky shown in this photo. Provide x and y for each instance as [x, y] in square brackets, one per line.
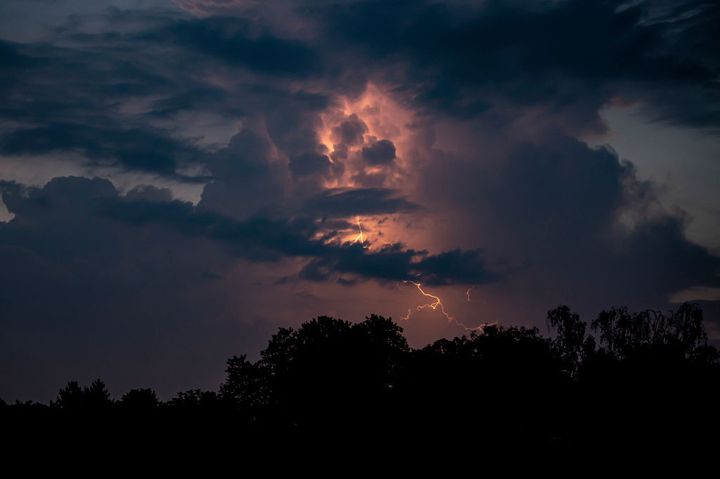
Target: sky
[181, 178]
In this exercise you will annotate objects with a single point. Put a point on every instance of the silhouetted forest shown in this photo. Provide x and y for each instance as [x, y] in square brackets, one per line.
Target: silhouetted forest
[625, 381]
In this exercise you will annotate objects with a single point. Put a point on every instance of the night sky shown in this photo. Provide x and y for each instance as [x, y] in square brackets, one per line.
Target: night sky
[181, 178]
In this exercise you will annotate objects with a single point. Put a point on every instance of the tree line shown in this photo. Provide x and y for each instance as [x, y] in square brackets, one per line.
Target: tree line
[625, 380]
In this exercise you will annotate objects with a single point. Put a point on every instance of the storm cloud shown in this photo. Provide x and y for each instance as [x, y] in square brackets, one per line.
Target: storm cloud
[185, 176]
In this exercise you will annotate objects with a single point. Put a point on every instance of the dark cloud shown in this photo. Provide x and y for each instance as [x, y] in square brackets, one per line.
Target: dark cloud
[142, 149]
[358, 201]
[455, 266]
[568, 57]
[256, 239]
[263, 239]
[231, 40]
[350, 132]
[389, 263]
[70, 200]
[116, 96]
[573, 220]
[393, 262]
[310, 164]
[149, 193]
[379, 153]
[11, 56]
[247, 179]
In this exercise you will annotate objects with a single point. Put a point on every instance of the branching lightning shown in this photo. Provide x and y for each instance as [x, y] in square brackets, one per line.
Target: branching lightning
[437, 303]
[434, 302]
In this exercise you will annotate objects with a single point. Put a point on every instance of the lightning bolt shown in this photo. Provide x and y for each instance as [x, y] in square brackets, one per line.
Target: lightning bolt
[437, 303]
[360, 236]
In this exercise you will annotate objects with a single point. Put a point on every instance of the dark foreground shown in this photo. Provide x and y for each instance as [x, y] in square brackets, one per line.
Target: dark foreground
[641, 384]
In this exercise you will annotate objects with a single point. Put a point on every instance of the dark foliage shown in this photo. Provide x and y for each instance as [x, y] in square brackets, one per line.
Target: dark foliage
[642, 382]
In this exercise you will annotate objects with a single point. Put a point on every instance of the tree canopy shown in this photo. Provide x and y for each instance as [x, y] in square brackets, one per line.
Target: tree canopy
[628, 379]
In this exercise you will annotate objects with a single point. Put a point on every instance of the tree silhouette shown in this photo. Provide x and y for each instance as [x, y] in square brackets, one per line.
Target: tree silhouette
[140, 400]
[570, 342]
[97, 395]
[326, 367]
[93, 398]
[71, 397]
[644, 386]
